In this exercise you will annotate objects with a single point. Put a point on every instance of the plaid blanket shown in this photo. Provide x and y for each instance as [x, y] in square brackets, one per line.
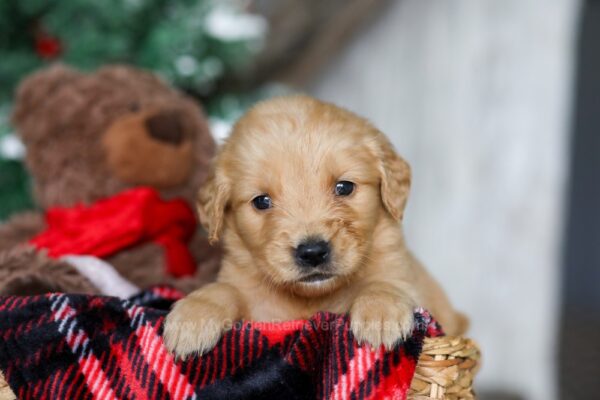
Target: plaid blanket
[59, 346]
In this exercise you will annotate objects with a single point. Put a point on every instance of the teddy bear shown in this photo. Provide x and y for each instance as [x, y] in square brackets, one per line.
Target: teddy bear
[116, 158]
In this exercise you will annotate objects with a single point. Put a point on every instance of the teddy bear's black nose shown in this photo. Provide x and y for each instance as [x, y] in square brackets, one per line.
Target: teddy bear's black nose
[166, 127]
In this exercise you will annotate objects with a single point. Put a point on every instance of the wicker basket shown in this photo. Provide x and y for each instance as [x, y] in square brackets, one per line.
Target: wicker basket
[445, 371]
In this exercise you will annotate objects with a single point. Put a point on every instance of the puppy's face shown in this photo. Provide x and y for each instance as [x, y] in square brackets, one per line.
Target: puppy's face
[303, 185]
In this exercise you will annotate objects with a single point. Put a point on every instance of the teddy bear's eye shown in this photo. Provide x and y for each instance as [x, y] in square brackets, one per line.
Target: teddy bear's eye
[134, 107]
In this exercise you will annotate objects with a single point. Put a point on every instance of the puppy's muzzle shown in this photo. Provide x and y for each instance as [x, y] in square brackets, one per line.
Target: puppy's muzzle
[312, 253]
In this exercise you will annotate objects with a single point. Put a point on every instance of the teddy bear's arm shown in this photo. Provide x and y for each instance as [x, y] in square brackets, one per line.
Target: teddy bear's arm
[26, 272]
[144, 265]
[20, 228]
[208, 260]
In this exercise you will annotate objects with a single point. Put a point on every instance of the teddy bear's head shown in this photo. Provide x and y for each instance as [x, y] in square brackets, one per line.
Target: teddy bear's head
[89, 136]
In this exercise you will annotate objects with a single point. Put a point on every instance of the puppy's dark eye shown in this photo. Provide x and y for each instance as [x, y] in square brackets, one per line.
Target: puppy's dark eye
[344, 188]
[262, 202]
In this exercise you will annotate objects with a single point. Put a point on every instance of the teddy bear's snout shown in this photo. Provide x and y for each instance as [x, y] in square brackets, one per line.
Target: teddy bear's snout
[166, 127]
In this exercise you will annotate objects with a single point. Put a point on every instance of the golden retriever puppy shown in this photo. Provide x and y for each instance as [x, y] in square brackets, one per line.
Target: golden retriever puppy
[308, 198]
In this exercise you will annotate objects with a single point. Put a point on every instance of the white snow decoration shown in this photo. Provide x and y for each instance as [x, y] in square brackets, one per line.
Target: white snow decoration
[11, 147]
[186, 65]
[223, 24]
[220, 129]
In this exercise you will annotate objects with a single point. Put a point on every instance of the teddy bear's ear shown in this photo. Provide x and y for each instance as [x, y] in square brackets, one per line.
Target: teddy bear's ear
[37, 88]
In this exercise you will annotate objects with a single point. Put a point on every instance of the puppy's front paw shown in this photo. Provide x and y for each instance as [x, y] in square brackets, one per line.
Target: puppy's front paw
[381, 320]
[194, 327]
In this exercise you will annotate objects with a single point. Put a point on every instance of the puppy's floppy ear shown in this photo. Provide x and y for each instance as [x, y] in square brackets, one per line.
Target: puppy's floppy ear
[395, 179]
[212, 202]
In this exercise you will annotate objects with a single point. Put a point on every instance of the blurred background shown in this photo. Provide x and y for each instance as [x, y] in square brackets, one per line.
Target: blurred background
[494, 103]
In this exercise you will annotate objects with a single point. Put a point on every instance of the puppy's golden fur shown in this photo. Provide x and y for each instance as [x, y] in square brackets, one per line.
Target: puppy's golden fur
[295, 149]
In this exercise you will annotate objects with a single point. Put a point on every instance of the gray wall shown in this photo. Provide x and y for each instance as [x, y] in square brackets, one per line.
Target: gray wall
[476, 95]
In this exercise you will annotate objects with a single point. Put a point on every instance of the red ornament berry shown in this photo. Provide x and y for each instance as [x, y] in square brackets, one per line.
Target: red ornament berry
[47, 47]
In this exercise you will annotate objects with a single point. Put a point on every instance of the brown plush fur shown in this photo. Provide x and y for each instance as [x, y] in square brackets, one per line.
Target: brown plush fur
[90, 136]
[26, 271]
[295, 149]
[19, 228]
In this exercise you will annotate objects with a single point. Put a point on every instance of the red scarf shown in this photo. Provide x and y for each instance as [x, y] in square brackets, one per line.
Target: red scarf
[116, 223]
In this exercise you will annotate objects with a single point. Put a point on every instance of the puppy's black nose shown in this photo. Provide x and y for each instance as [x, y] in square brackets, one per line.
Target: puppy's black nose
[312, 253]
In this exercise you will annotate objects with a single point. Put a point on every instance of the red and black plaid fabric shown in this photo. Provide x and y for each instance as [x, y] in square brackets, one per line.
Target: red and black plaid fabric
[60, 346]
